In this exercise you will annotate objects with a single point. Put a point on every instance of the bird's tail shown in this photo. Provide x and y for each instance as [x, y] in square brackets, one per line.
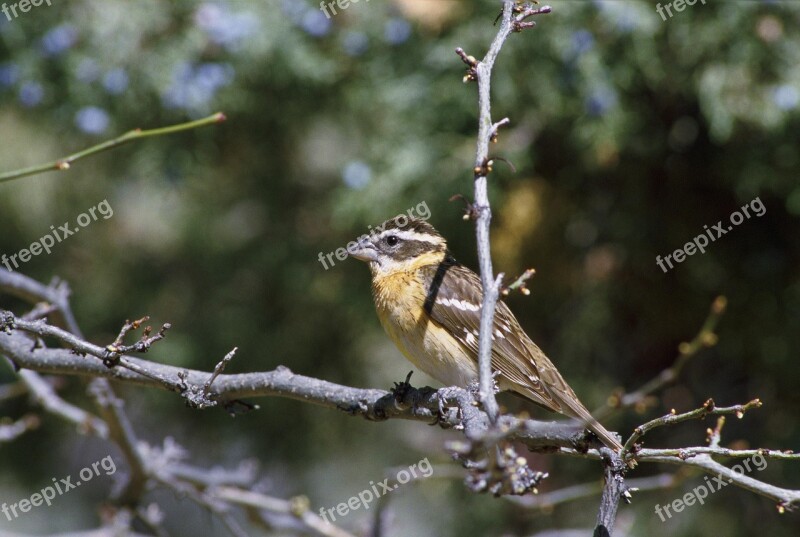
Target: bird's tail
[574, 408]
[566, 402]
[554, 393]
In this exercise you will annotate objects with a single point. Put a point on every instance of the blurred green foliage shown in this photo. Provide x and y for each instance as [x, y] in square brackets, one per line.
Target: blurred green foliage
[629, 133]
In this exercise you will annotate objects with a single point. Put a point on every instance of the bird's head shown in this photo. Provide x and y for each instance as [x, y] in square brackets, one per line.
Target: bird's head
[400, 244]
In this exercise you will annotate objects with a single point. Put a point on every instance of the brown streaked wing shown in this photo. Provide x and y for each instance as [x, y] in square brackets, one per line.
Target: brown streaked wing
[453, 302]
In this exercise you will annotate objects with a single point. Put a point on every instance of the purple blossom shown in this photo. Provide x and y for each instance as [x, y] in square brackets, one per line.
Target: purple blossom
[786, 97]
[601, 101]
[59, 39]
[396, 31]
[31, 94]
[315, 23]
[116, 81]
[582, 42]
[9, 74]
[224, 27]
[92, 120]
[193, 87]
[356, 174]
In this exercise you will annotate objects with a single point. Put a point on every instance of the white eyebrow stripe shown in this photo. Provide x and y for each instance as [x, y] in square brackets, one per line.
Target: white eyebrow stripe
[410, 235]
[463, 305]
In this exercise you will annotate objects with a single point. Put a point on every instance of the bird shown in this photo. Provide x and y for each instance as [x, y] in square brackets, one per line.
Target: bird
[429, 304]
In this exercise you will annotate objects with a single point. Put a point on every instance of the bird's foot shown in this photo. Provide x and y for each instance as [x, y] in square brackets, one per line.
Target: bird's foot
[402, 389]
[444, 397]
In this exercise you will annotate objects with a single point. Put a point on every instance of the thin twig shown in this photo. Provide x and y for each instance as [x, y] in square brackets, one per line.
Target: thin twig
[705, 338]
[785, 499]
[708, 409]
[136, 134]
[11, 431]
[512, 20]
[482, 72]
[116, 349]
[12, 390]
[519, 283]
[218, 371]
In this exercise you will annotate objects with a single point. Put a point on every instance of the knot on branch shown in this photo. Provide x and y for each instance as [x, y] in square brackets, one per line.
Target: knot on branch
[483, 169]
[402, 397]
[7, 321]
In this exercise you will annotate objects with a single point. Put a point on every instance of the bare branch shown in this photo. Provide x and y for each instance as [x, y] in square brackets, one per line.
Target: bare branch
[11, 431]
[448, 407]
[424, 404]
[43, 394]
[614, 489]
[708, 409]
[115, 424]
[122, 433]
[297, 507]
[785, 499]
[549, 500]
[79, 346]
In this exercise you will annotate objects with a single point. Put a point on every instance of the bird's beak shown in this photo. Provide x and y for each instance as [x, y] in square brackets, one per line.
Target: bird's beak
[364, 250]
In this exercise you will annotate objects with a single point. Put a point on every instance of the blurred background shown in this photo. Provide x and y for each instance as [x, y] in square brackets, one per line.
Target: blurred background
[628, 132]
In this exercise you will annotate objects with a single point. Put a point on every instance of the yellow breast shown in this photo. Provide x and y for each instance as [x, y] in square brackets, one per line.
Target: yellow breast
[399, 301]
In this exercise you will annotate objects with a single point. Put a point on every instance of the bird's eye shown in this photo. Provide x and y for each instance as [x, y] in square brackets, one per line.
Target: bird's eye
[392, 240]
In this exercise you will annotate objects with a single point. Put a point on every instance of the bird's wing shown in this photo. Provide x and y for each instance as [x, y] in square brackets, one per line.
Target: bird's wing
[454, 303]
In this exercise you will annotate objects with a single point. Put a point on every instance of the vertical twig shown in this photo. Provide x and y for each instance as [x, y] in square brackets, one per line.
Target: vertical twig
[491, 285]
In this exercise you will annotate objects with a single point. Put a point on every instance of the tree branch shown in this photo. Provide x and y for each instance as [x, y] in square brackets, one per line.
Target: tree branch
[20, 341]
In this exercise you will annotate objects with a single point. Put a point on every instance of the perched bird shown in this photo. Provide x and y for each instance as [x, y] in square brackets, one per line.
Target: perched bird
[430, 306]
